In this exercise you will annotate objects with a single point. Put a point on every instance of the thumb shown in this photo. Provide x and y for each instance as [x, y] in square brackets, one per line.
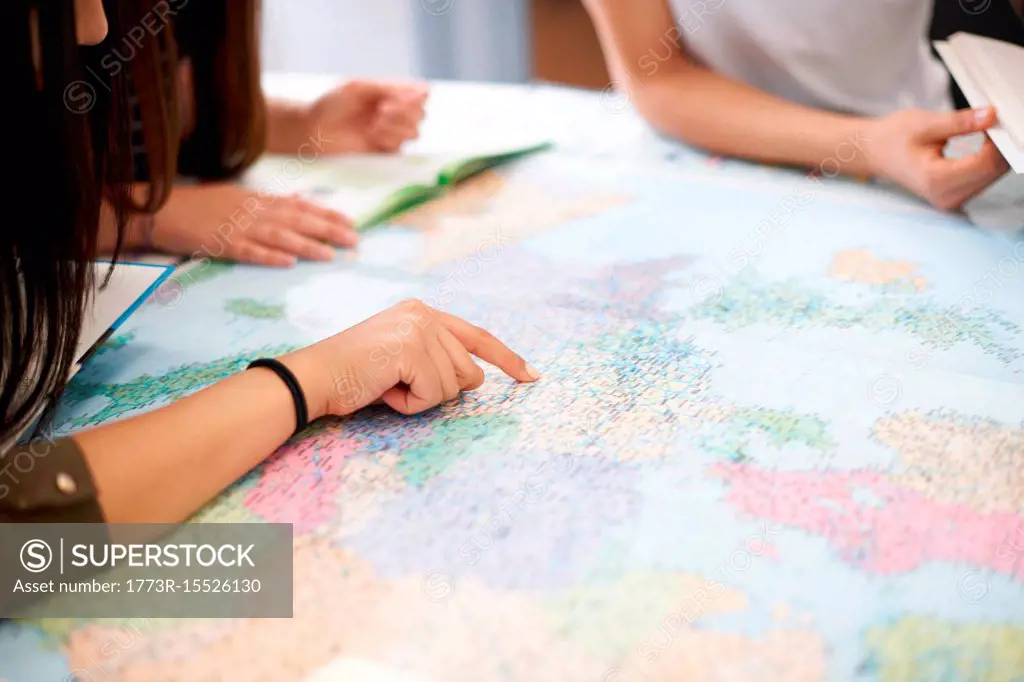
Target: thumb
[963, 122]
[415, 93]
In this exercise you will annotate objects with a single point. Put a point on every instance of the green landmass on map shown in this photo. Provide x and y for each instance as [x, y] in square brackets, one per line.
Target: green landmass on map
[251, 308]
[204, 271]
[114, 344]
[147, 389]
[918, 648]
[748, 300]
[780, 427]
[455, 438]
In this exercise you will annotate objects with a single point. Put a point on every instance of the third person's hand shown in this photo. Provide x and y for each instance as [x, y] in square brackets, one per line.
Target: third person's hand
[907, 148]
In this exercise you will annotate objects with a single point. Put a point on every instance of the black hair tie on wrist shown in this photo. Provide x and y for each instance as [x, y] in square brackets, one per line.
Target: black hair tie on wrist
[299, 398]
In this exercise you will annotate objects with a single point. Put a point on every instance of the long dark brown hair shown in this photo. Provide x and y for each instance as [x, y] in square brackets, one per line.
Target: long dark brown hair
[66, 147]
[220, 39]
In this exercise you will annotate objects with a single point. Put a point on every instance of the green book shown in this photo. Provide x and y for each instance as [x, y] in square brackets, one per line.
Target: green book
[374, 188]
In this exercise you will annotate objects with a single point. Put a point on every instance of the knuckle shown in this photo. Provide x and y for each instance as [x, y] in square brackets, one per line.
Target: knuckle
[280, 237]
[414, 307]
[945, 201]
[418, 325]
[932, 197]
[934, 188]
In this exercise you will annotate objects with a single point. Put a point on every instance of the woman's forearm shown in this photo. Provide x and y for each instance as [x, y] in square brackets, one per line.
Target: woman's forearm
[691, 103]
[713, 112]
[163, 466]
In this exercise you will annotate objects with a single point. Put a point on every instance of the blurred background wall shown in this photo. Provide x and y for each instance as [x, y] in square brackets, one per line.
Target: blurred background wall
[451, 39]
[373, 38]
[496, 40]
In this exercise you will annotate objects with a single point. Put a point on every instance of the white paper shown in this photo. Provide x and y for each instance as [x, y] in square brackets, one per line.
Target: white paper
[358, 184]
[355, 184]
[997, 68]
[128, 284]
[977, 99]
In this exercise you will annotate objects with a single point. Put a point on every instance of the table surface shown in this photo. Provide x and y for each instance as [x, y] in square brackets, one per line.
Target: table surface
[467, 114]
[779, 436]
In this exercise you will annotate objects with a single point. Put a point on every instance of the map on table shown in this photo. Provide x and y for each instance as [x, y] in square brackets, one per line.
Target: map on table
[779, 436]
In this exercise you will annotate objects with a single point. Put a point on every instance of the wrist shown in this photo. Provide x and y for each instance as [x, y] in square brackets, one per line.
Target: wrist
[309, 373]
[288, 126]
[867, 163]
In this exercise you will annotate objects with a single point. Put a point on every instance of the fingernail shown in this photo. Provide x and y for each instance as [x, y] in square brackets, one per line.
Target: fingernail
[980, 115]
[531, 372]
[326, 253]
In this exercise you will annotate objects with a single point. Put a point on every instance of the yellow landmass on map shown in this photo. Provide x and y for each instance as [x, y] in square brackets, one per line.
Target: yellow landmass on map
[653, 627]
[977, 463]
[610, 619]
[710, 656]
[473, 634]
[487, 213]
[917, 648]
[860, 265]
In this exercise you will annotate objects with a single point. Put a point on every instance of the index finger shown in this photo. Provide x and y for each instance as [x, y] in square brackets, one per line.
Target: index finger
[488, 348]
[301, 203]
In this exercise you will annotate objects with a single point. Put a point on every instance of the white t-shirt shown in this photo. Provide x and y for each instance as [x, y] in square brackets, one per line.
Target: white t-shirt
[866, 57]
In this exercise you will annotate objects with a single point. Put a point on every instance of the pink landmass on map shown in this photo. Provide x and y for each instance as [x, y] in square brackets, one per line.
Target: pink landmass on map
[300, 484]
[879, 526]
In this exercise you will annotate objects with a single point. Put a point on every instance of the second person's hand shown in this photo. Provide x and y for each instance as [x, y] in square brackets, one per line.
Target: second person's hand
[225, 221]
[411, 357]
[367, 117]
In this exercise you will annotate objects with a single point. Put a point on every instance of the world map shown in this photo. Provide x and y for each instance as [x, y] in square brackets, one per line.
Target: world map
[779, 436]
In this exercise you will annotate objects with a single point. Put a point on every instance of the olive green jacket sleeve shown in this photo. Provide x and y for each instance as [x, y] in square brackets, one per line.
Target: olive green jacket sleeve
[47, 482]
